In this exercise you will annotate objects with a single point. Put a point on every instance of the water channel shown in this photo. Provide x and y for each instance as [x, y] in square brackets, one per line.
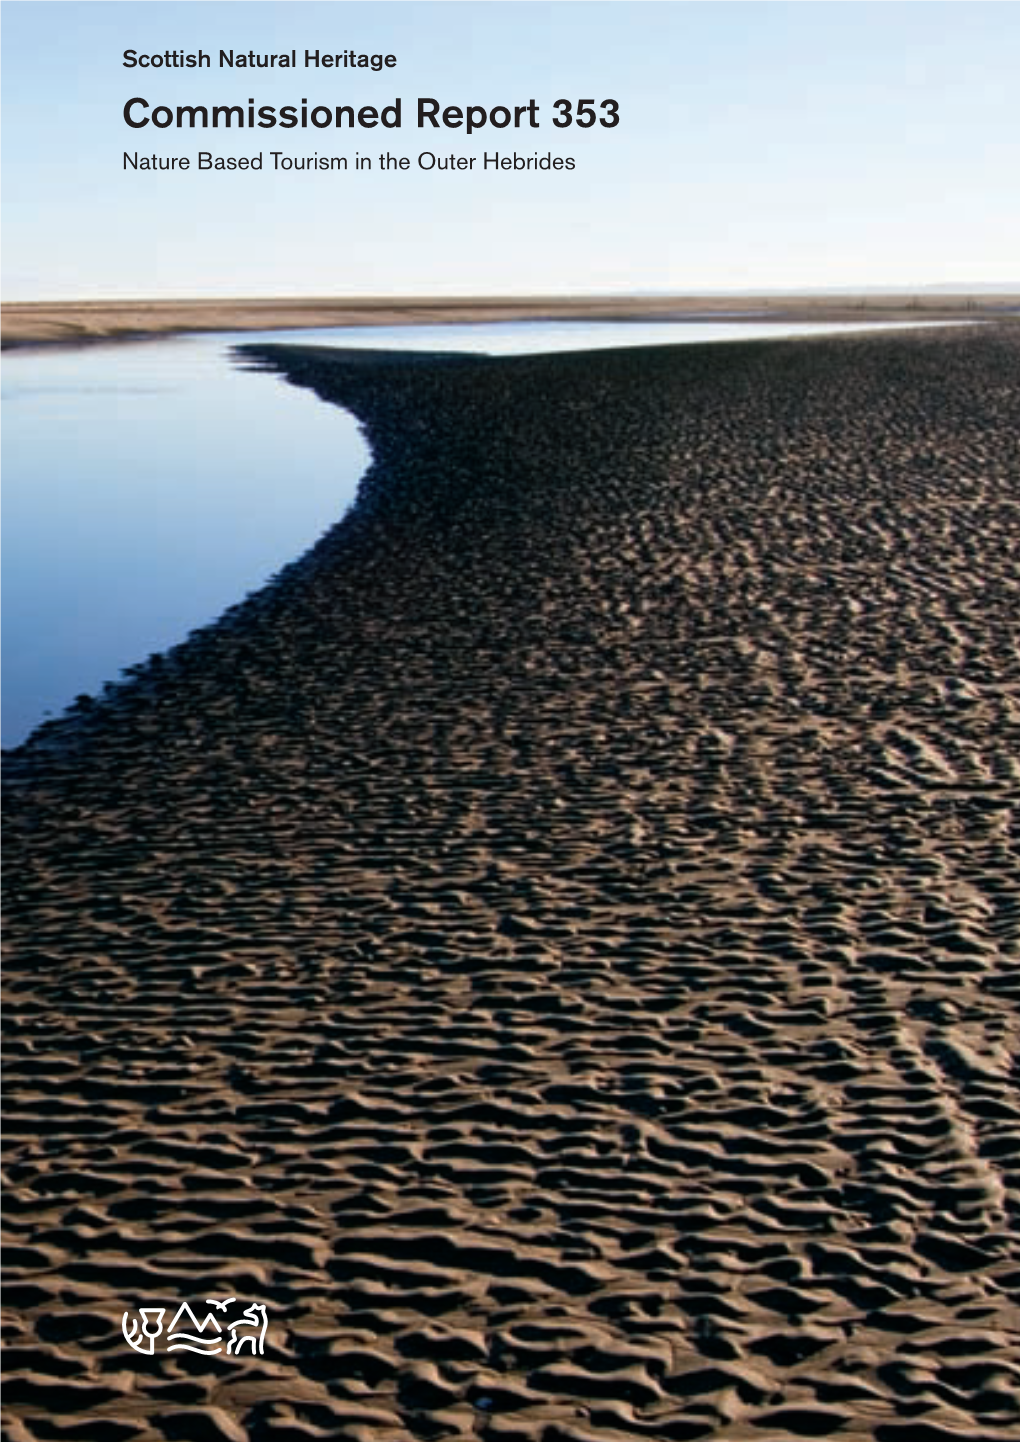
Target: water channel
[150, 485]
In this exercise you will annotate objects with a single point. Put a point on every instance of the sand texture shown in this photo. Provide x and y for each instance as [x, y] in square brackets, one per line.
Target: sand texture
[557, 946]
[80, 322]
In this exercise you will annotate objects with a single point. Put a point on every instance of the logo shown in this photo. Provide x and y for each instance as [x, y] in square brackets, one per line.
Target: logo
[216, 1334]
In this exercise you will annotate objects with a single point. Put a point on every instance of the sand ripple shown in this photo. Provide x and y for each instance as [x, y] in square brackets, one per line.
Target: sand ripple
[558, 945]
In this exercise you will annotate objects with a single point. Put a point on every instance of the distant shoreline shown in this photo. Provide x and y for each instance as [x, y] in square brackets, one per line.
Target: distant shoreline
[32, 323]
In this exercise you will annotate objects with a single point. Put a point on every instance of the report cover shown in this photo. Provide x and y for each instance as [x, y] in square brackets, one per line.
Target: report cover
[510, 721]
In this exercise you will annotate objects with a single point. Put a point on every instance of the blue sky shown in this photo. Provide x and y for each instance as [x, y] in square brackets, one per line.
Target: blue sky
[760, 145]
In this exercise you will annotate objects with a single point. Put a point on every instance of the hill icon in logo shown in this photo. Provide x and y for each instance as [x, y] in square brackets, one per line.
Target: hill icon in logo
[181, 1340]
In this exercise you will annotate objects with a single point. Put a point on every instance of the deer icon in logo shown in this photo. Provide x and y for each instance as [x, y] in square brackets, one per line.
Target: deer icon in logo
[249, 1327]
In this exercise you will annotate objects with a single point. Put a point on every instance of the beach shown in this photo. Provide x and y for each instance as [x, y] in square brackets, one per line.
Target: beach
[556, 946]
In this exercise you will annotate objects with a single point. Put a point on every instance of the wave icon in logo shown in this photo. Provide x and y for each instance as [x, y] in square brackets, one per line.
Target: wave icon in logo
[193, 1341]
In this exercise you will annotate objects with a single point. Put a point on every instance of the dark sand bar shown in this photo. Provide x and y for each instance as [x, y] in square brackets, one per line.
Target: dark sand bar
[79, 322]
[557, 945]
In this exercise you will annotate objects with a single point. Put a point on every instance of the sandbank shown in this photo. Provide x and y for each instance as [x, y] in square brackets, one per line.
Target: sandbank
[80, 322]
[556, 946]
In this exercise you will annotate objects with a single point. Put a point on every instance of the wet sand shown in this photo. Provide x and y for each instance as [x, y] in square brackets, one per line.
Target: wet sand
[83, 322]
[557, 946]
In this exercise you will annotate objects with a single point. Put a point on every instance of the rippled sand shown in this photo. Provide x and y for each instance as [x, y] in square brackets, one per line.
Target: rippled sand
[557, 947]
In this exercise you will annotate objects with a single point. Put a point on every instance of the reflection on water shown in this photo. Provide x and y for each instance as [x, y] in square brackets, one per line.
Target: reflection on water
[149, 486]
[527, 337]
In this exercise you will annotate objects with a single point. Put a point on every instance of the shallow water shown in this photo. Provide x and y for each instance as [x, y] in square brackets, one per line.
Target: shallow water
[148, 486]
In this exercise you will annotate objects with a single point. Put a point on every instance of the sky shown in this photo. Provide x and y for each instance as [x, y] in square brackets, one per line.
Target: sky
[759, 146]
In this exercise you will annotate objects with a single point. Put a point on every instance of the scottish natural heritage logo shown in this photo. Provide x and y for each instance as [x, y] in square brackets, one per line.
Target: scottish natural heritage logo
[212, 1336]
